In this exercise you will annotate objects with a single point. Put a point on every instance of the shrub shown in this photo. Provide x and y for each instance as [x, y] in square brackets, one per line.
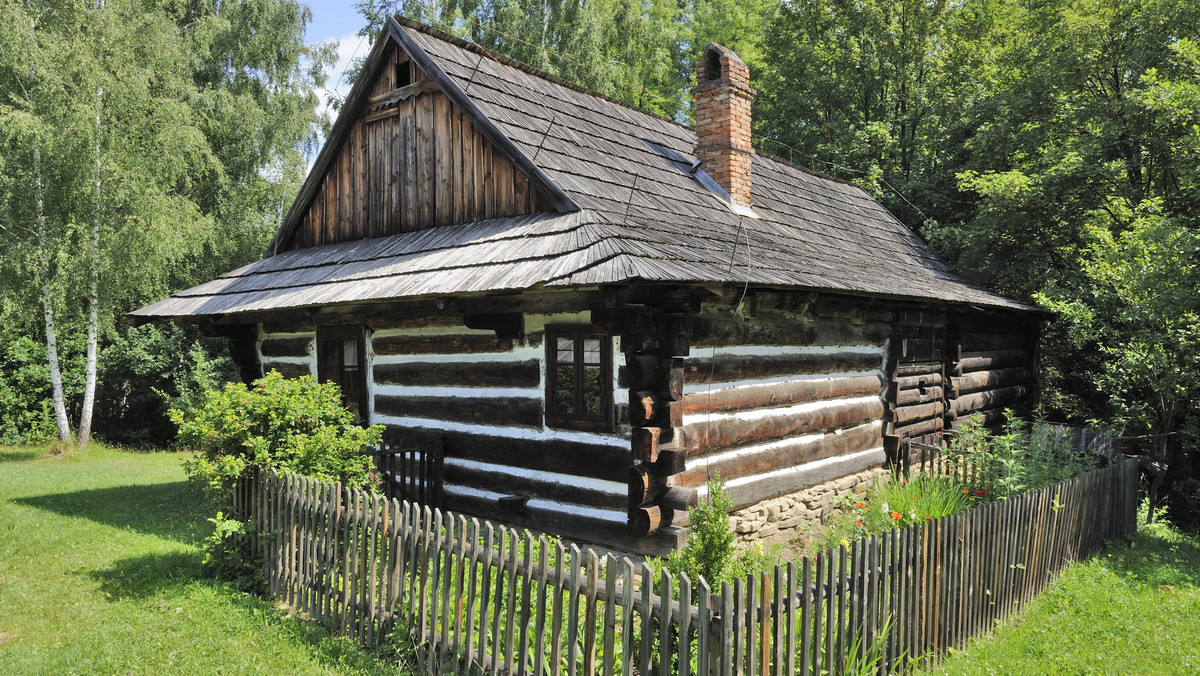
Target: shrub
[1022, 459]
[709, 550]
[294, 425]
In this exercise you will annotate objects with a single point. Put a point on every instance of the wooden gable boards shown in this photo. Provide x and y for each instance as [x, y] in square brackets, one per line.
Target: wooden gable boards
[410, 151]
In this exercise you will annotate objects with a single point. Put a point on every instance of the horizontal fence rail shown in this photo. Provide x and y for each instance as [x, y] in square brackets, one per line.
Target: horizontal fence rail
[477, 597]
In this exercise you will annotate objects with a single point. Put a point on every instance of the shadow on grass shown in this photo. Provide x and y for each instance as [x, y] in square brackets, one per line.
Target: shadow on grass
[1157, 557]
[167, 510]
[177, 574]
[21, 455]
[142, 577]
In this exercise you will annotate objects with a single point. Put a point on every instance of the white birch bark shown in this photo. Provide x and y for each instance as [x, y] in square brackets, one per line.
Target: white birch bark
[89, 390]
[60, 407]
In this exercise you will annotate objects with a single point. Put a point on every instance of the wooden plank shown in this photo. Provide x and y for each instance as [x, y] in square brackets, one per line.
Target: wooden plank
[645, 651]
[598, 461]
[407, 178]
[485, 596]
[498, 411]
[770, 486]
[628, 644]
[287, 347]
[665, 648]
[847, 441]
[424, 161]
[711, 435]
[991, 360]
[590, 599]
[443, 156]
[476, 343]
[525, 624]
[986, 380]
[989, 399]
[534, 485]
[781, 394]
[733, 368]
[465, 374]
[683, 657]
[608, 660]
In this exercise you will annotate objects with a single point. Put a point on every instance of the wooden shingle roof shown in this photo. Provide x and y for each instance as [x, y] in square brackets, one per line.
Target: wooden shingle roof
[627, 209]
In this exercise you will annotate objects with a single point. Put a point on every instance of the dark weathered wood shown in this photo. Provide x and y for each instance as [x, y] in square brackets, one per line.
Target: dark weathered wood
[712, 435]
[394, 96]
[990, 361]
[750, 493]
[917, 396]
[907, 414]
[287, 369]
[645, 443]
[535, 485]
[597, 461]
[644, 520]
[499, 411]
[979, 342]
[444, 344]
[716, 329]
[287, 347]
[986, 380]
[647, 409]
[780, 394]
[916, 382]
[729, 368]
[852, 440]
[1005, 396]
[466, 374]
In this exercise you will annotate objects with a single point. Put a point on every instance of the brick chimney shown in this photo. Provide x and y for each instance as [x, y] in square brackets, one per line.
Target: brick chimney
[723, 97]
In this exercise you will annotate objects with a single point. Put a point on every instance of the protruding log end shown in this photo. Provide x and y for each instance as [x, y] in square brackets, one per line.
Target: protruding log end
[644, 520]
[645, 443]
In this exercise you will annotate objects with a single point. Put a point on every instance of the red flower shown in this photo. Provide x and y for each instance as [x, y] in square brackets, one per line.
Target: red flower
[981, 491]
[928, 517]
[966, 490]
[859, 505]
[858, 523]
[897, 516]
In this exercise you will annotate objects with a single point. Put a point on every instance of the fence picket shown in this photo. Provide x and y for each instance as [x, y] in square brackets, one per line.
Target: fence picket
[495, 600]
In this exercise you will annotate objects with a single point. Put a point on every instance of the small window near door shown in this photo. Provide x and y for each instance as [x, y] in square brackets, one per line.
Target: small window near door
[340, 360]
[578, 377]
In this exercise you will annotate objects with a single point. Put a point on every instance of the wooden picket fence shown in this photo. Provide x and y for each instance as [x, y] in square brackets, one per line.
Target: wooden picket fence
[477, 597]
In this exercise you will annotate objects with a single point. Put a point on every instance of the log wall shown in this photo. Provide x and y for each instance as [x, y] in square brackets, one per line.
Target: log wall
[787, 398]
[483, 396]
[412, 161]
[292, 353]
[990, 368]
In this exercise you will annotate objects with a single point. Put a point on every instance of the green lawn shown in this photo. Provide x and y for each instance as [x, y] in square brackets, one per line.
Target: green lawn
[1131, 610]
[100, 574]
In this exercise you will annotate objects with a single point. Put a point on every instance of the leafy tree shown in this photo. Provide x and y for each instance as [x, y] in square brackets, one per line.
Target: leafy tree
[149, 145]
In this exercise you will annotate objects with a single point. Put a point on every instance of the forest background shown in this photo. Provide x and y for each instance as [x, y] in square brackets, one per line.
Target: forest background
[1048, 149]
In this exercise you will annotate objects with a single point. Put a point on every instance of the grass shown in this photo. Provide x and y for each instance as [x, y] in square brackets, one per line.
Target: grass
[1130, 610]
[100, 574]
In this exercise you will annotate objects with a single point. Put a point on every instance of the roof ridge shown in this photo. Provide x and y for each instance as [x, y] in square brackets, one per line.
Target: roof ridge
[476, 48]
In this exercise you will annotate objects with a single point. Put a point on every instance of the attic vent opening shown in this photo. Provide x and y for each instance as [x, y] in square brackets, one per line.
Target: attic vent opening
[712, 65]
[403, 74]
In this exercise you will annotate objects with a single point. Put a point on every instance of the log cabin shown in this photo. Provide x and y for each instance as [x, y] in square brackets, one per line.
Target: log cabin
[591, 310]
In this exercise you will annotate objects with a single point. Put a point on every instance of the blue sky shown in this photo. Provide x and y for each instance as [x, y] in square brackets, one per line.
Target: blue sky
[336, 20]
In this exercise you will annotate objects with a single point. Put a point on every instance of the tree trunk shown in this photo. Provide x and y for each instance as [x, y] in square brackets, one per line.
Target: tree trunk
[89, 390]
[60, 407]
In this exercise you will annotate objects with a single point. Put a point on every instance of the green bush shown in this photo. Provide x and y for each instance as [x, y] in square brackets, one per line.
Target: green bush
[26, 408]
[294, 425]
[709, 551]
[1024, 458]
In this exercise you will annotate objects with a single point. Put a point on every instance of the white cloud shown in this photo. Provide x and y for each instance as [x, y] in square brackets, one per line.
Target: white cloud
[349, 47]
[337, 85]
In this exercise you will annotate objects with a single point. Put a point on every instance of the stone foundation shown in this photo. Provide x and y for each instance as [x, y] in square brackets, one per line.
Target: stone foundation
[778, 518]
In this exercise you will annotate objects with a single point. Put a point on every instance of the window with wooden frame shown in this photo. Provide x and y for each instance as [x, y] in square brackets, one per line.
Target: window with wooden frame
[341, 360]
[578, 377]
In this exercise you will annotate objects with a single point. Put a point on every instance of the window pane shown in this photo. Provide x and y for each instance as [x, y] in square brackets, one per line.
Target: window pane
[566, 351]
[591, 351]
[350, 352]
[564, 390]
[591, 391]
